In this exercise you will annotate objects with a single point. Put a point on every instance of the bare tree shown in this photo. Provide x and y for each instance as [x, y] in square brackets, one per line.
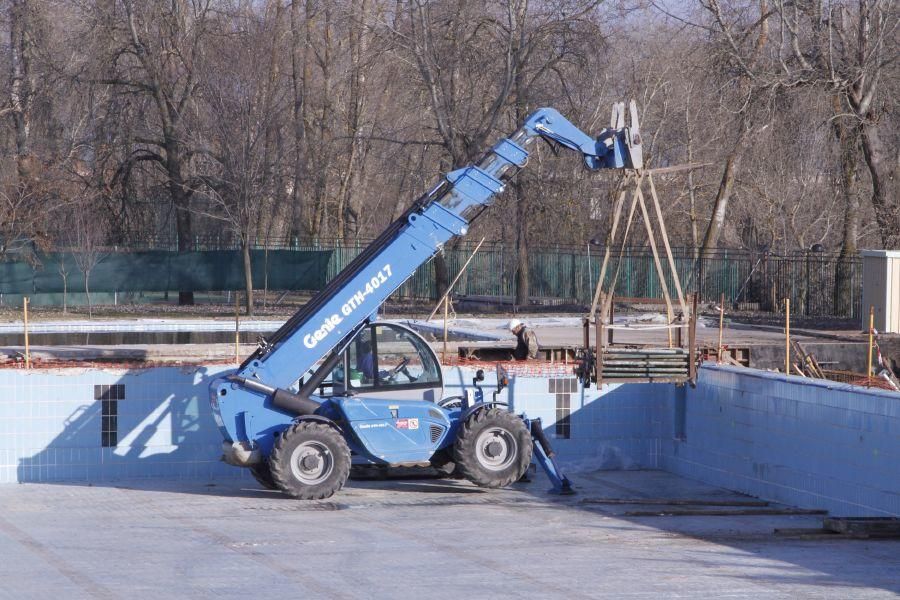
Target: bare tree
[847, 138]
[239, 177]
[323, 119]
[155, 51]
[467, 103]
[743, 42]
[64, 268]
[869, 41]
[87, 237]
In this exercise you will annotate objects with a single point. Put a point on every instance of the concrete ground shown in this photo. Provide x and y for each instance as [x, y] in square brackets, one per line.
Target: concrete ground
[419, 539]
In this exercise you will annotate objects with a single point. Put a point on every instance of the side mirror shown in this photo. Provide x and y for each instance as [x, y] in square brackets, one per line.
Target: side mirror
[479, 375]
[502, 378]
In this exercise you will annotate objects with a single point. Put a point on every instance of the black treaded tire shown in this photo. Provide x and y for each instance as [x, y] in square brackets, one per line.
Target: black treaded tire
[319, 443]
[472, 454]
[368, 472]
[442, 462]
[263, 475]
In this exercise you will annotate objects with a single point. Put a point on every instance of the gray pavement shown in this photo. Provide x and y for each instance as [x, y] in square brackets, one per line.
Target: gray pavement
[421, 538]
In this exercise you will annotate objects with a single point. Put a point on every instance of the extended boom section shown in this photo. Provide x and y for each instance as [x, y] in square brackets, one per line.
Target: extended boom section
[411, 241]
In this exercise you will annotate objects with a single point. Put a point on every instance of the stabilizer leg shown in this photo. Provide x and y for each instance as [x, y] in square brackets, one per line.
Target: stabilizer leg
[546, 457]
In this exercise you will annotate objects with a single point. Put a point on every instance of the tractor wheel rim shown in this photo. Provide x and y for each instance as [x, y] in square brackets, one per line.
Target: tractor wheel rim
[311, 462]
[496, 449]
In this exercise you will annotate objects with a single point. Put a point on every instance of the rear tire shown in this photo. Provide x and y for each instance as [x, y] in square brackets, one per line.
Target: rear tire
[263, 475]
[310, 461]
[492, 448]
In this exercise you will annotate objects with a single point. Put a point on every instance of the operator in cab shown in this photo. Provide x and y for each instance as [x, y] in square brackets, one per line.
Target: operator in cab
[526, 340]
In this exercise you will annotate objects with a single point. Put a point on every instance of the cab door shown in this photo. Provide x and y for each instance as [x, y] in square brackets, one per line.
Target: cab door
[393, 381]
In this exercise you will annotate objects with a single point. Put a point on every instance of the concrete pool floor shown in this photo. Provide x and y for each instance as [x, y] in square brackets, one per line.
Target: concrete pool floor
[418, 538]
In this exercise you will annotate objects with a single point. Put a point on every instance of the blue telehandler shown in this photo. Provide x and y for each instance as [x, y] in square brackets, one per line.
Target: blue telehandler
[335, 387]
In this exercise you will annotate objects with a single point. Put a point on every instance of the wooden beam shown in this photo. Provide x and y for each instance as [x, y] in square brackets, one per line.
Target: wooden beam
[665, 239]
[659, 270]
[678, 168]
[615, 278]
[610, 240]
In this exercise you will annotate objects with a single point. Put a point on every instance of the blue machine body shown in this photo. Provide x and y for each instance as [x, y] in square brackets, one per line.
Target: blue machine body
[244, 402]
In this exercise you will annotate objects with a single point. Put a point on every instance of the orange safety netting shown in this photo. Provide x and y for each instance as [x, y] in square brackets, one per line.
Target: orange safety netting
[515, 368]
[60, 363]
[872, 382]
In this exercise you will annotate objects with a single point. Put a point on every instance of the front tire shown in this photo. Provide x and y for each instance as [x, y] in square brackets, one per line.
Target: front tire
[493, 448]
[263, 476]
[310, 461]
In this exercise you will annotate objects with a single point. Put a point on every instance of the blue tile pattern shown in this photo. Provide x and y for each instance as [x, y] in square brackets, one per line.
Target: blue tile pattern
[51, 423]
[806, 443]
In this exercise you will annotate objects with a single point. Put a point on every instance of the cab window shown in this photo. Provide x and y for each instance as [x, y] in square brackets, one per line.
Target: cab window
[382, 356]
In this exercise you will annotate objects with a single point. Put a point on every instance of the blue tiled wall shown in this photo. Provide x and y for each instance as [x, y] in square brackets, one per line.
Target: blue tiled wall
[817, 445]
[615, 428]
[50, 425]
[806, 443]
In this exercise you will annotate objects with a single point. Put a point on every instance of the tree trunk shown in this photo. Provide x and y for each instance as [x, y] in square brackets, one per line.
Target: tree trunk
[523, 278]
[21, 88]
[185, 239]
[733, 161]
[692, 196]
[349, 208]
[321, 159]
[269, 218]
[843, 276]
[726, 187]
[181, 199]
[87, 292]
[883, 167]
[441, 275]
[299, 72]
[248, 277]
[520, 95]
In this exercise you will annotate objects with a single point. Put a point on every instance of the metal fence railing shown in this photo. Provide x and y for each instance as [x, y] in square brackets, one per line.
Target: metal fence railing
[750, 281]
[568, 274]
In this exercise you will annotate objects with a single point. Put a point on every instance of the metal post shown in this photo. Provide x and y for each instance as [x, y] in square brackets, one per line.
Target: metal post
[787, 336]
[692, 339]
[590, 272]
[446, 312]
[699, 286]
[27, 346]
[598, 338]
[806, 312]
[679, 341]
[455, 279]
[237, 327]
[721, 326]
[871, 343]
[612, 316]
[586, 324]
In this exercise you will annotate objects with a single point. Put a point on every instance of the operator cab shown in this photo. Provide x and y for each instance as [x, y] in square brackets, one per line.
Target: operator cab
[386, 360]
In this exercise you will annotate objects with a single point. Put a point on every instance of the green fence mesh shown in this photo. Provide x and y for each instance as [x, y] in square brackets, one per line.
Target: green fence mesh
[557, 275]
[161, 270]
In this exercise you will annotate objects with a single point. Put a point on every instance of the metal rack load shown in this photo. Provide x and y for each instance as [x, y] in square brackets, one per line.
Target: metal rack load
[606, 362]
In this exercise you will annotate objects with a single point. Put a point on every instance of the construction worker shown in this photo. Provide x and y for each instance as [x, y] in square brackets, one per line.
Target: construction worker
[526, 340]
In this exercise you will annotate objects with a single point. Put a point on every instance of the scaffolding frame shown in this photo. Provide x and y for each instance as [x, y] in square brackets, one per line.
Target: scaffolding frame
[675, 364]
